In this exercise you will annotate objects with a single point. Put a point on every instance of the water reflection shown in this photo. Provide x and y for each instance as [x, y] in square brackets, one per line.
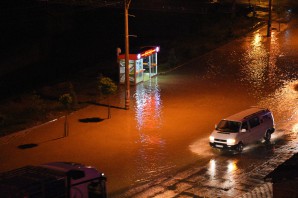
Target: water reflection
[212, 168]
[148, 105]
[255, 61]
[232, 166]
[274, 53]
[151, 154]
[283, 103]
[259, 64]
[295, 128]
[222, 173]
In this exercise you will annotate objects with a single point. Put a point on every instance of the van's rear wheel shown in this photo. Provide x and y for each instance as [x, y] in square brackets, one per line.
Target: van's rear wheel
[267, 136]
[240, 147]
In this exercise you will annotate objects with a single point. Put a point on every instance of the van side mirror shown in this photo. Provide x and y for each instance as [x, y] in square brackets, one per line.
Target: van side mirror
[243, 130]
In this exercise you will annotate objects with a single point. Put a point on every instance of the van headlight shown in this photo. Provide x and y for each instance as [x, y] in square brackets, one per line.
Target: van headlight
[211, 139]
[231, 141]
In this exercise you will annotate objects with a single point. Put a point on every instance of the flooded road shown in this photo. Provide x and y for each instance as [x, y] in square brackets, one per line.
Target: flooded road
[171, 117]
[176, 112]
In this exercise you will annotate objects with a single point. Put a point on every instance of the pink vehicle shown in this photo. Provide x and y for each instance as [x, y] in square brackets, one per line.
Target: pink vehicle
[57, 179]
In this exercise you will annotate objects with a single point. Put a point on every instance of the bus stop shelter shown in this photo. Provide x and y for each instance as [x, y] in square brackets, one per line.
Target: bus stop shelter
[142, 65]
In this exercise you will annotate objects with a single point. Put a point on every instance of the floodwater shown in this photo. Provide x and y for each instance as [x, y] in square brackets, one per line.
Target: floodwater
[176, 112]
[171, 117]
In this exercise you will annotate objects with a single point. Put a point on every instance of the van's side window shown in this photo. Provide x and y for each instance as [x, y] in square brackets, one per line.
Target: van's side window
[244, 125]
[253, 122]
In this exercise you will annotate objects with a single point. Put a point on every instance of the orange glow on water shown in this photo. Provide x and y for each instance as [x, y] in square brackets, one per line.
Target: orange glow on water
[295, 128]
[232, 166]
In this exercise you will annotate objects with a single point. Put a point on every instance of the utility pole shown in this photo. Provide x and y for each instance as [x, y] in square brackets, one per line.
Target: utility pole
[278, 13]
[269, 19]
[127, 84]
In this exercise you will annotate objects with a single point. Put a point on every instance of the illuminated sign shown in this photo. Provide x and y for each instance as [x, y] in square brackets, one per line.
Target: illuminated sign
[149, 52]
[139, 56]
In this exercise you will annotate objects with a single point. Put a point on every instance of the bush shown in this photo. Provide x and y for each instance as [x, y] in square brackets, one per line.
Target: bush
[106, 85]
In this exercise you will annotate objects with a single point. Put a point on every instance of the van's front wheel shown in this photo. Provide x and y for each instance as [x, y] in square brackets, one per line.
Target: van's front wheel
[240, 147]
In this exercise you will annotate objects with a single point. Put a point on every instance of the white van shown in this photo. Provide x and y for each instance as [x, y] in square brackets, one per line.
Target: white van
[242, 128]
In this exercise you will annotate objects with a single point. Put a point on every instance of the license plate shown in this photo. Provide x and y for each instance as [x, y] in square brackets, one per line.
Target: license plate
[219, 146]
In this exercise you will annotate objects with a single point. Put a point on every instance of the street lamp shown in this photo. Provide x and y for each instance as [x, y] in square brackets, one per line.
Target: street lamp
[127, 85]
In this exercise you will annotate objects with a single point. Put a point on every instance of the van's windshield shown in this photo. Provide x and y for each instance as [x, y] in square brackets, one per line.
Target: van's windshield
[228, 126]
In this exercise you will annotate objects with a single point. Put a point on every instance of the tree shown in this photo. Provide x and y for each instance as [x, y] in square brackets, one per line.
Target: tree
[73, 95]
[106, 88]
[66, 101]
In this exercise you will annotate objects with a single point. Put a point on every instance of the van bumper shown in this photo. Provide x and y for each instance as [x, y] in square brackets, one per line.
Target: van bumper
[223, 146]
